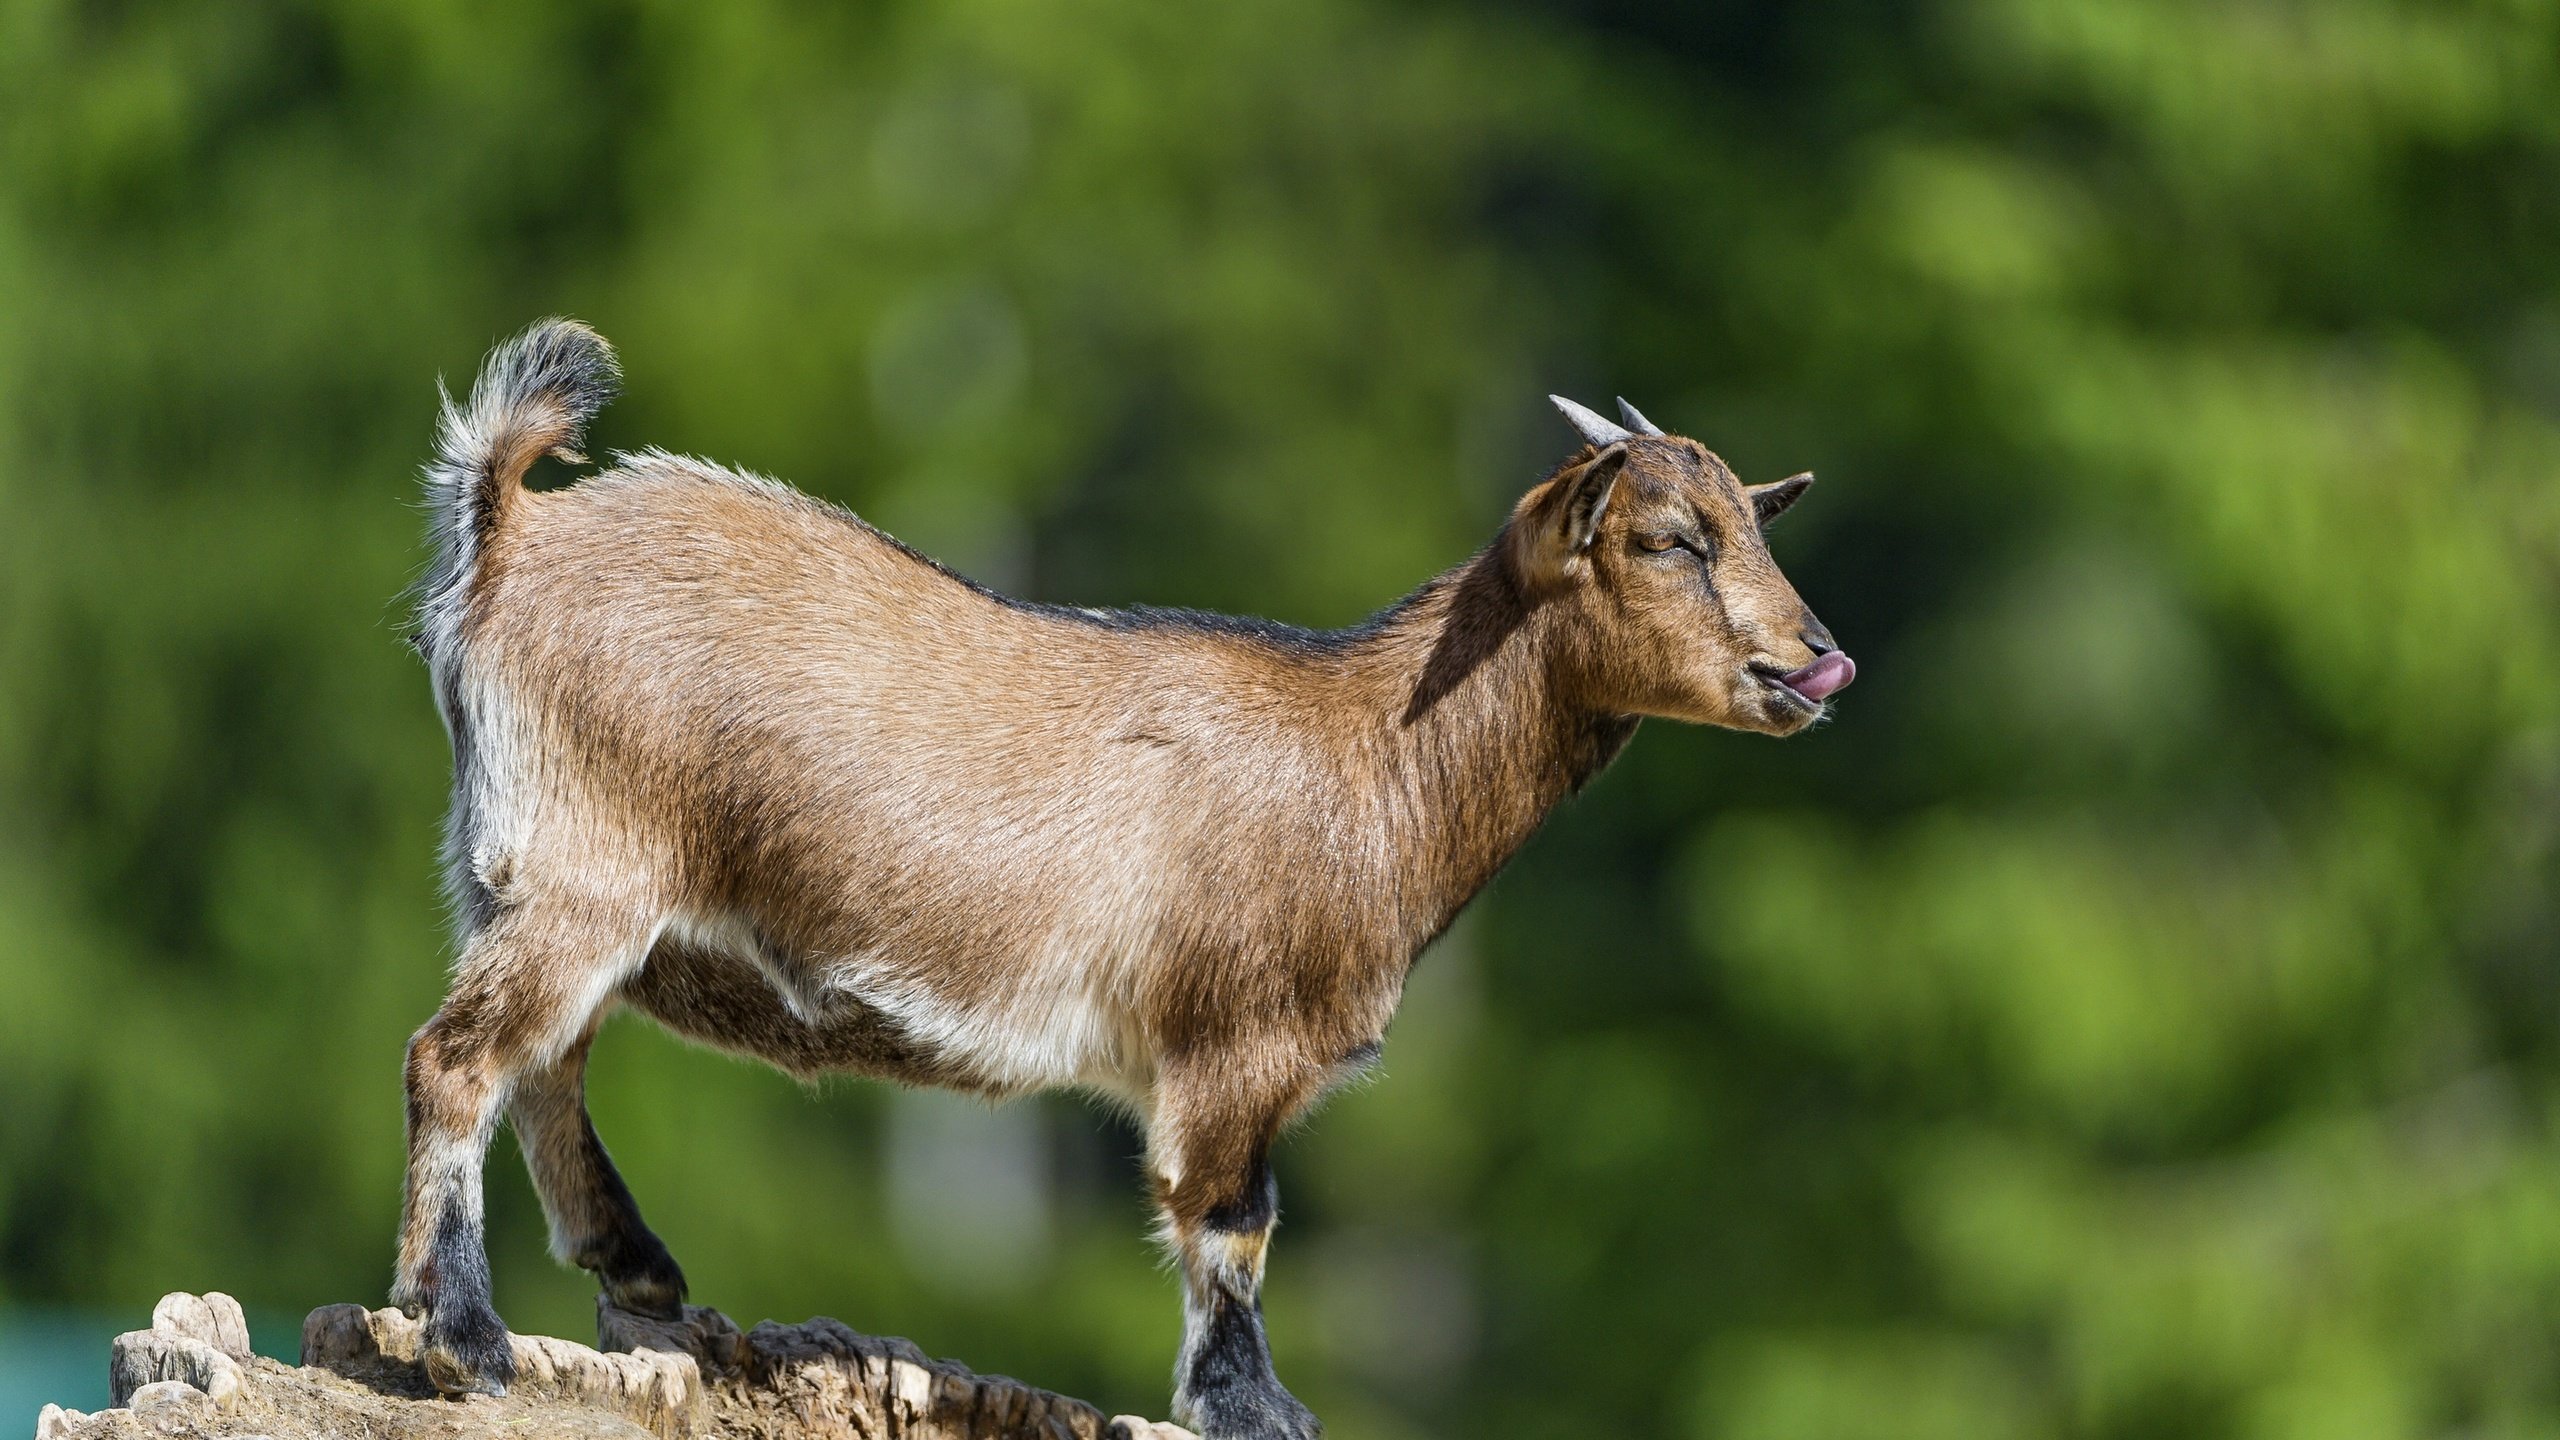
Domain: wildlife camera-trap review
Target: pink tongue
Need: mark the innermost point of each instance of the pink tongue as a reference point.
(1823, 678)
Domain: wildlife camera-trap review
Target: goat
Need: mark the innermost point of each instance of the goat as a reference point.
(732, 758)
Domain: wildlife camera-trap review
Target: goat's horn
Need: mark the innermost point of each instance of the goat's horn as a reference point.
(1635, 418)
(1593, 428)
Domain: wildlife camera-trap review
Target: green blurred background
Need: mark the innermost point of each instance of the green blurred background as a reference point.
(2136, 1016)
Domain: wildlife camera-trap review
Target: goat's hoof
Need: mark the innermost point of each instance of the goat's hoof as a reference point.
(654, 1288)
(1251, 1412)
(468, 1353)
(653, 1299)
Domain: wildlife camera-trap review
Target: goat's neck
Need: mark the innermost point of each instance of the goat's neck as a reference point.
(1482, 738)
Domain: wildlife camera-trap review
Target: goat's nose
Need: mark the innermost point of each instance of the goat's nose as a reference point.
(1816, 638)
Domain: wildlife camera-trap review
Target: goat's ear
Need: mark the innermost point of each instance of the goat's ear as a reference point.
(1770, 501)
(1561, 528)
(1584, 496)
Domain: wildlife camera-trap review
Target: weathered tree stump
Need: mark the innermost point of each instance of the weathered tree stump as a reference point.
(193, 1374)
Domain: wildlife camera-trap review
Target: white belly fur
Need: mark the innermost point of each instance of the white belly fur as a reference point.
(1065, 1016)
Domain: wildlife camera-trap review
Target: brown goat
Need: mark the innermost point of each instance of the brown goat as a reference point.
(735, 759)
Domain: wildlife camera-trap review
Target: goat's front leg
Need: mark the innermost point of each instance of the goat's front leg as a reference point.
(1210, 1151)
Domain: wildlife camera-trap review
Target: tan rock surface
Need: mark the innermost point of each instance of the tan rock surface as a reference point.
(193, 1374)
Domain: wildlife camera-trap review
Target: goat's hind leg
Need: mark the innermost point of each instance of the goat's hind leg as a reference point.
(530, 982)
(595, 1224)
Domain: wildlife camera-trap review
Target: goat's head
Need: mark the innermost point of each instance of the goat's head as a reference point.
(1648, 552)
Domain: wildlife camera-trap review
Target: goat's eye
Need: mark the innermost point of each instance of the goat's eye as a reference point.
(1657, 541)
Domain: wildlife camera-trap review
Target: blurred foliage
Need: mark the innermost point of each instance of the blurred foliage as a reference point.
(2134, 1017)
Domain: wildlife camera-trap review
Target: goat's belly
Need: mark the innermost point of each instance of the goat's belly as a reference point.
(1026, 1027)
(1048, 1027)
(715, 998)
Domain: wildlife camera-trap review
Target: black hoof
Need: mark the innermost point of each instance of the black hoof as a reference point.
(1251, 1412)
(466, 1353)
(644, 1279)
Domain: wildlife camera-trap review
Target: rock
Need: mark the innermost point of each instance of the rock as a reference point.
(213, 1318)
(1138, 1427)
(336, 1337)
(659, 1390)
(166, 1395)
(852, 1387)
(710, 1337)
(140, 1358)
(192, 1373)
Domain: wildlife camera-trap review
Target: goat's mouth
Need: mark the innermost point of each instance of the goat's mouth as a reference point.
(1806, 689)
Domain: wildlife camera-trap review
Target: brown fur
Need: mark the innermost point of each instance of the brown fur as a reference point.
(736, 759)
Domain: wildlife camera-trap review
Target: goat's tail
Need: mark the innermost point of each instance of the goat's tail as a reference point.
(534, 397)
